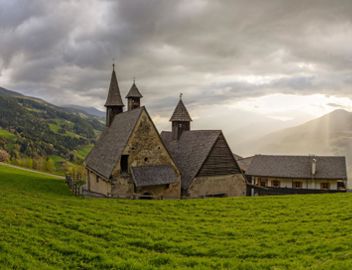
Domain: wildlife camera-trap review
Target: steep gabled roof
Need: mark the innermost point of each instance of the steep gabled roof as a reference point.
(153, 175)
(190, 151)
(327, 167)
(134, 92)
(111, 143)
(114, 96)
(181, 113)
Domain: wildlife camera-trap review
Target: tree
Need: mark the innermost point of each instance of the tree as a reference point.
(50, 165)
(4, 156)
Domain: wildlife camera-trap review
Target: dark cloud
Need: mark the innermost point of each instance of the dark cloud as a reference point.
(214, 51)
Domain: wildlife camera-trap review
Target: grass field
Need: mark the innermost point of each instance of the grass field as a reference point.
(42, 226)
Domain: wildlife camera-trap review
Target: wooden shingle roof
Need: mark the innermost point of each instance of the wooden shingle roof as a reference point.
(181, 113)
(190, 151)
(134, 92)
(327, 167)
(153, 175)
(111, 143)
(114, 96)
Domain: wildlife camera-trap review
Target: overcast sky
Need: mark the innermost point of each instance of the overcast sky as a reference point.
(286, 60)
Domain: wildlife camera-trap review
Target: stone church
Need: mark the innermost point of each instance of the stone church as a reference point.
(132, 160)
(129, 159)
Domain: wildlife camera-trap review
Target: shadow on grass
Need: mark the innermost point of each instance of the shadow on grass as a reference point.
(14, 180)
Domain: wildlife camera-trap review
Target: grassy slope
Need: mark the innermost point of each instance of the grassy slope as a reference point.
(43, 227)
(7, 134)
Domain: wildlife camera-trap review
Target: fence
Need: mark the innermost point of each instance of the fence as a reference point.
(285, 191)
(76, 186)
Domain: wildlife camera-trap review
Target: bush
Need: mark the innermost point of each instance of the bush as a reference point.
(4, 156)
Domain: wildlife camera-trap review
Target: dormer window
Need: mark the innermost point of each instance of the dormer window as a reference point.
(124, 164)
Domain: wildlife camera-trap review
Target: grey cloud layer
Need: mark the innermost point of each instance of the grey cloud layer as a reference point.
(211, 50)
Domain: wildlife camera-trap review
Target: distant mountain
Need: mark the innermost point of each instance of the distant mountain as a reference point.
(330, 134)
(88, 110)
(31, 127)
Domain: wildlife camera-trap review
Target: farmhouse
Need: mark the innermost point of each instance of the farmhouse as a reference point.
(129, 159)
(270, 174)
(208, 167)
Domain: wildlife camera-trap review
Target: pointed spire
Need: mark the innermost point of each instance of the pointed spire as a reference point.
(180, 113)
(134, 92)
(114, 96)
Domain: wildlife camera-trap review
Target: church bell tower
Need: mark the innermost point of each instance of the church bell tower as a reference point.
(180, 119)
(113, 104)
(134, 97)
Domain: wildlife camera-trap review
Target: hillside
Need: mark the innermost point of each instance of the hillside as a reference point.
(42, 226)
(31, 127)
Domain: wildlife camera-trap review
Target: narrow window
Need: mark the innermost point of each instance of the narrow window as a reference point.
(124, 164)
(263, 182)
(324, 185)
(275, 183)
(97, 179)
(297, 184)
(341, 185)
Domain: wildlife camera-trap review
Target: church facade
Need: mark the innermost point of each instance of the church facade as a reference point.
(132, 160)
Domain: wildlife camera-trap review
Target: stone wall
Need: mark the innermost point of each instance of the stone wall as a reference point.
(145, 148)
(228, 185)
(171, 191)
(98, 185)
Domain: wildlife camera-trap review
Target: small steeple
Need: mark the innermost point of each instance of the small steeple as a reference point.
(113, 104)
(181, 120)
(180, 112)
(114, 96)
(133, 96)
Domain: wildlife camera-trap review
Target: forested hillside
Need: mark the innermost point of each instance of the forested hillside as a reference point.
(33, 129)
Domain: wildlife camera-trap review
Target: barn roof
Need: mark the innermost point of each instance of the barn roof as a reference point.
(153, 175)
(181, 113)
(134, 92)
(114, 96)
(111, 143)
(327, 167)
(244, 163)
(190, 151)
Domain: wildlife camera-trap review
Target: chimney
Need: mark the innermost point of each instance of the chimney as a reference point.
(314, 167)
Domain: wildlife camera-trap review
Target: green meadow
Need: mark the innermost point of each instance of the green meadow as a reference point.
(42, 226)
